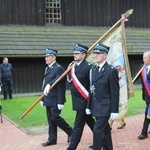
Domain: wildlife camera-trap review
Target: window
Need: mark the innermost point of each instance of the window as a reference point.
(53, 11)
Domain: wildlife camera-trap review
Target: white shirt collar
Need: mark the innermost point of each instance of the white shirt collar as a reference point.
(102, 64)
(78, 63)
(148, 67)
(51, 64)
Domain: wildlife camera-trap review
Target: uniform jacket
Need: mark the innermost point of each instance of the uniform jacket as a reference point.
(105, 97)
(145, 95)
(82, 73)
(57, 94)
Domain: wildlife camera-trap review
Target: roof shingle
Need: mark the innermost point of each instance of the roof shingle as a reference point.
(26, 41)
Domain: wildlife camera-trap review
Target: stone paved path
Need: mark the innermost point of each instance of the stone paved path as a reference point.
(14, 138)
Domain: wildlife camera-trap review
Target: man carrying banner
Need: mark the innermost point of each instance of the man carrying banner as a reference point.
(145, 76)
(104, 98)
(79, 83)
(54, 100)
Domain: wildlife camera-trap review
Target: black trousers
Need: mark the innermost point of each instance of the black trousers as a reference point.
(7, 87)
(102, 134)
(146, 123)
(80, 120)
(55, 120)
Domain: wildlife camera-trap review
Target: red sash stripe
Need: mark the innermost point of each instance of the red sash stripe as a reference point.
(79, 86)
(145, 81)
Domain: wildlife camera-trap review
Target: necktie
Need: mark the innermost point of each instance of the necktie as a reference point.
(76, 65)
(96, 71)
(99, 69)
(47, 70)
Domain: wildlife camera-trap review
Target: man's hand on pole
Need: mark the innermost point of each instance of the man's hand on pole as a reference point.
(47, 89)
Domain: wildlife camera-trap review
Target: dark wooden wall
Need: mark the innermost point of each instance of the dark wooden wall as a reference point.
(104, 12)
(135, 62)
(28, 73)
(22, 12)
(76, 12)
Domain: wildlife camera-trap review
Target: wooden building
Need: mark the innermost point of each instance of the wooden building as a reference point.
(28, 27)
(102, 13)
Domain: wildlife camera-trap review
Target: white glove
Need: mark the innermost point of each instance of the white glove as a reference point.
(113, 116)
(41, 102)
(88, 111)
(60, 106)
(46, 90)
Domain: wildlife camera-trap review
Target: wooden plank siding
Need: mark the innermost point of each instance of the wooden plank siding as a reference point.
(28, 73)
(76, 12)
(27, 76)
(104, 13)
(135, 62)
(22, 12)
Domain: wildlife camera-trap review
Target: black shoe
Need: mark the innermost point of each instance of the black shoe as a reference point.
(141, 137)
(123, 126)
(69, 139)
(91, 146)
(48, 143)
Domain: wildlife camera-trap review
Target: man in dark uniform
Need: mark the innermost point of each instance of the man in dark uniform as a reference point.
(79, 83)
(7, 79)
(54, 100)
(104, 98)
(145, 76)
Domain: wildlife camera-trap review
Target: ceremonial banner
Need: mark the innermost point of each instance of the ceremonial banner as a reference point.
(118, 58)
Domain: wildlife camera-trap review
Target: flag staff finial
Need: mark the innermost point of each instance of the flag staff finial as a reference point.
(126, 15)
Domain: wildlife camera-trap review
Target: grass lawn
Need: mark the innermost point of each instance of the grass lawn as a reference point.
(15, 108)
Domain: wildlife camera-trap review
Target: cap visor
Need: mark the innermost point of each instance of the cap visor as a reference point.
(76, 52)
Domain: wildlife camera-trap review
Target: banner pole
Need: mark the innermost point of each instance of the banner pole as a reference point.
(42, 96)
(126, 15)
(137, 74)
